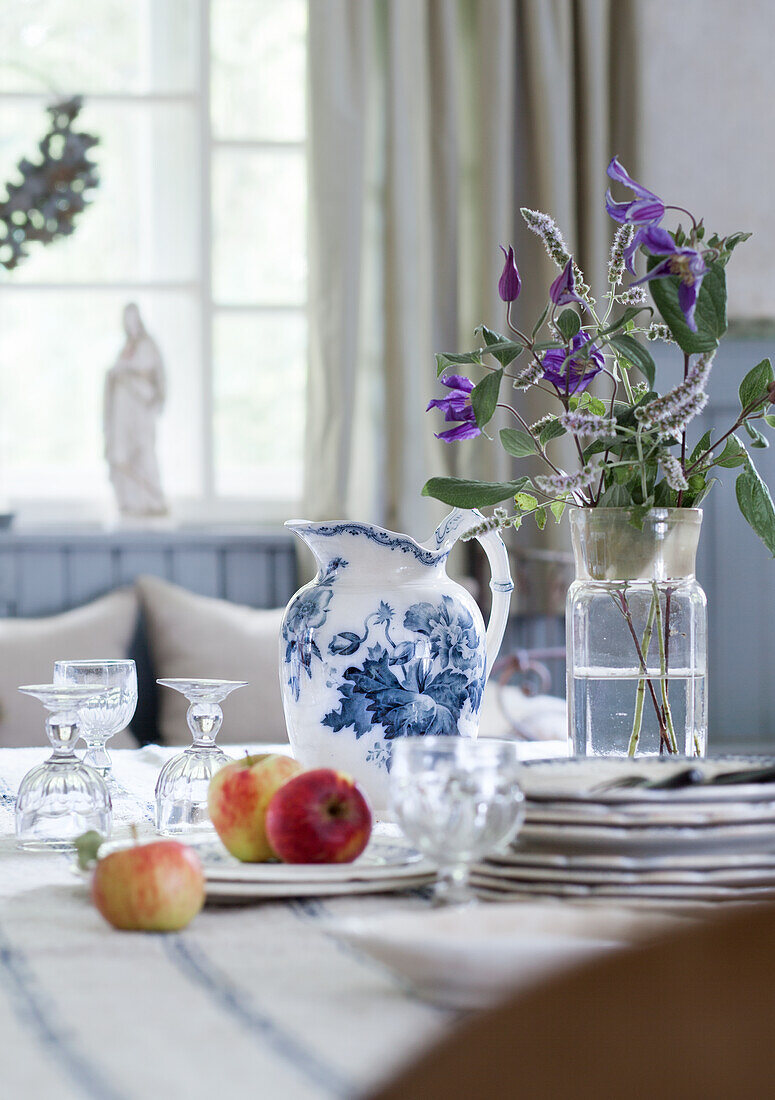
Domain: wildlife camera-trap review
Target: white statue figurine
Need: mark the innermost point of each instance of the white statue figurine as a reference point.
(134, 398)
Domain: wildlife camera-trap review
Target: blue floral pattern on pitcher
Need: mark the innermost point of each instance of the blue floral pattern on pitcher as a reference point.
(306, 613)
(413, 687)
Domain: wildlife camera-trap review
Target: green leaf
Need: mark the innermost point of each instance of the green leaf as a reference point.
(701, 447)
(769, 420)
(444, 360)
(87, 845)
(540, 320)
(757, 439)
(517, 443)
(755, 502)
(710, 313)
(626, 317)
(569, 323)
(459, 492)
(540, 518)
(551, 430)
(755, 385)
(484, 397)
(557, 507)
(636, 354)
(504, 350)
(526, 502)
(616, 496)
(597, 407)
(695, 500)
(734, 454)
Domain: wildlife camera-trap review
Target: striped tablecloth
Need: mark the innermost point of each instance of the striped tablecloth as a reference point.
(260, 1001)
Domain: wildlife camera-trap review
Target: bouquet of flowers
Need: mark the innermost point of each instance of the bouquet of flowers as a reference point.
(629, 440)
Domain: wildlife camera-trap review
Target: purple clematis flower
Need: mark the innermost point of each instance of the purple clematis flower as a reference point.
(686, 263)
(509, 284)
(563, 290)
(644, 210)
(574, 375)
(457, 406)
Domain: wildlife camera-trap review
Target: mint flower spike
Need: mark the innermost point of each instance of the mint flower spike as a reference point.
(555, 484)
(509, 284)
(587, 424)
(674, 475)
(671, 413)
(619, 247)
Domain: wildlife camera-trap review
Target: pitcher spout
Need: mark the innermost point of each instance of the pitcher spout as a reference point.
(365, 546)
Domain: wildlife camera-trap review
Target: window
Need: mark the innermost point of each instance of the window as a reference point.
(200, 218)
(707, 90)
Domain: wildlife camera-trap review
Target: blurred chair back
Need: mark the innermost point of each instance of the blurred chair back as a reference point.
(689, 1017)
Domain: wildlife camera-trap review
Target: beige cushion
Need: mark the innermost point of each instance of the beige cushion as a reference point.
(29, 647)
(192, 635)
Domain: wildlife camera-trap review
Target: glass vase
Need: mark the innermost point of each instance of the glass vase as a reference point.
(636, 625)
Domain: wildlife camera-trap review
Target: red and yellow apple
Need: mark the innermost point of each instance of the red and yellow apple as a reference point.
(320, 816)
(238, 798)
(156, 887)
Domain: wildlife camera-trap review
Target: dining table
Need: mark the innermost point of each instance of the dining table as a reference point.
(262, 999)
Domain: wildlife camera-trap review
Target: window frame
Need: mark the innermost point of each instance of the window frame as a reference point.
(208, 508)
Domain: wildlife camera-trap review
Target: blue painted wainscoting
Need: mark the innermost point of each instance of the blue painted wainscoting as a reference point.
(46, 572)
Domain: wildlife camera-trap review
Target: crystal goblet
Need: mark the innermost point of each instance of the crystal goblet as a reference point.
(63, 797)
(456, 800)
(181, 789)
(106, 714)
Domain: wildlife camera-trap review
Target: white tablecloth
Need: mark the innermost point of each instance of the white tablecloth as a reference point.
(255, 1001)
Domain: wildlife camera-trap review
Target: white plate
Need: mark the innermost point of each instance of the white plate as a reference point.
(581, 778)
(745, 876)
(676, 906)
(384, 859)
(240, 891)
(624, 893)
(608, 862)
(650, 840)
(662, 815)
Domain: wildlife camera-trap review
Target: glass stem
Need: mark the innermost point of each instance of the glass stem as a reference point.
(663, 672)
(640, 694)
(452, 886)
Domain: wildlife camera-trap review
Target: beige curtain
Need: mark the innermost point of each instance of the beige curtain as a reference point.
(431, 123)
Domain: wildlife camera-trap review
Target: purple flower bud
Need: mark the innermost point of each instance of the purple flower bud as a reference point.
(563, 289)
(509, 284)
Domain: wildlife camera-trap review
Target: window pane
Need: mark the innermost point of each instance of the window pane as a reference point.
(258, 69)
(139, 224)
(98, 45)
(259, 212)
(55, 347)
(707, 94)
(259, 381)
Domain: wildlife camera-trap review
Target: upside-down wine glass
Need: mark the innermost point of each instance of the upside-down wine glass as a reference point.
(456, 800)
(181, 789)
(107, 713)
(63, 797)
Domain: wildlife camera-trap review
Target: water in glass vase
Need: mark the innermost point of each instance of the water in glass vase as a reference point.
(618, 712)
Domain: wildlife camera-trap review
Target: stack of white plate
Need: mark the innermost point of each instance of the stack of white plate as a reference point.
(589, 834)
(386, 865)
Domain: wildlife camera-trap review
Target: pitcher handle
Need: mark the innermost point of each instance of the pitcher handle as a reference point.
(501, 584)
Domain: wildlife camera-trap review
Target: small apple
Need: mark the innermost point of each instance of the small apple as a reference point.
(238, 796)
(320, 816)
(157, 887)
